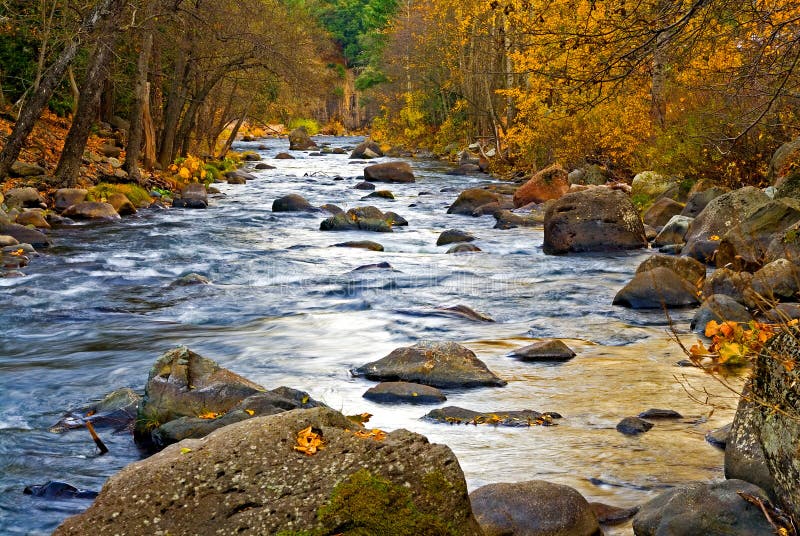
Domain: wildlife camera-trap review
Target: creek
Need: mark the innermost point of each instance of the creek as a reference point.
(285, 308)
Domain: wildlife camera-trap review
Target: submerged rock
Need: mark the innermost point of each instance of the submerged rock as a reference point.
(360, 244)
(550, 350)
(404, 392)
(58, 490)
(248, 479)
(469, 200)
(389, 172)
(292, 203)
(452, 236)
(299, 140)
(633, 426)
(438, 364)
(90, 210)
(657, 288)
(464, 248)
(533, 508)
(116, 410)
(462, 311)
(525, 417)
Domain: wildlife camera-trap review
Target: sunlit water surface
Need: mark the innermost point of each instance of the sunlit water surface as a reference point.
(96, 310)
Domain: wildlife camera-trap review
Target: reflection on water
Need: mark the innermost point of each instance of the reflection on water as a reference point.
(286, 309)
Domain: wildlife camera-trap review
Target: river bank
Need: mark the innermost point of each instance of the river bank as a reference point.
(285, 309)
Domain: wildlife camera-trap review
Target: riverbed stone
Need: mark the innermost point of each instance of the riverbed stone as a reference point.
(393, 172)
(25, 235)
(438, 364)
(505, 219)
(720, 308)
(292, 203)
(346, 222)
(66, 197)
(366, 150)
(263, 165)
(394, 219)
(452, 236)
(360, 244)
(121, 204)
(703, 509)
(364, 185)
(549, 183)
(657, 288)
(516, 418)
(58, 491)
(116, 410)
(547, 351)
(728, 282)
(238, 176)
(691, 270)
(533, 508)
(650, 185)
(658, 413)
(299, 140)
(471, 199)
(598, 219)
(700, 199)
(26, 197)
(404, 392)
(661, 211)
(193, 195)
(202, 487)
(673, 232)
(722, 214)
(719, 436)
(463, 311)
(379, 194)
(633, 426)
(463, 248)
(776, 281)
(33, 216)
(6, 240)
(91, 210)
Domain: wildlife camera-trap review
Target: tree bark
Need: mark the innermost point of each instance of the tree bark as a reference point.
(234, 132)
(658, 103)
(141, 95)
(149, 150)
(69, 164)
(172, 111)
(50, 79)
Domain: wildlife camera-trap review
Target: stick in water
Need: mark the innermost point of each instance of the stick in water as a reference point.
(97, 441)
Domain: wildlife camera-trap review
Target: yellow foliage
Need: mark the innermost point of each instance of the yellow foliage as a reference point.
(309, 441)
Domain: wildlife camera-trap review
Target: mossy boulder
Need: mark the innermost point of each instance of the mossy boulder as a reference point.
(247, 478)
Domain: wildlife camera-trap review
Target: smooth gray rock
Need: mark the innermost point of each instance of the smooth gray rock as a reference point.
(404, 392)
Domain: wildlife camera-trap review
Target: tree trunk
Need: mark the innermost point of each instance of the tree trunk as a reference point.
(76, 92)
(69, 164)
(140, 95)
(149, 151)
(50, 79)
(658, 103)
(172, 111)
(234, 132)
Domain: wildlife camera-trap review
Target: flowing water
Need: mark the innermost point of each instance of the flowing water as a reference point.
(285, 308)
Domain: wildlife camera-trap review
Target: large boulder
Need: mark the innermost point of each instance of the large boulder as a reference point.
(248, 478)
(700, 199)
(720, 308)
(650, 185)
(776, 385)
(728, 282)
(673, 232)
(452, 236)
(744, 246)
(471, 199)
(689, 269)
(549, 183)
(350, 222)
(25, 235)
(33, 216)
(299, 140)
(551, 350)
(193, 195)
(657, 288)
(776, 281)
(533, 508)
(598, 219)
(723, 213)
(785, 245)
(785, 159)
(703, 509)
(439, 364)
(91, 210)
(366, 150)
(66, 197)
(389, 172)
(292, 203)
(661, 212)
(23, 198)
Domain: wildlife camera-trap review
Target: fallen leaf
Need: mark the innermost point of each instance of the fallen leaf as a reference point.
(185, 450)
(249, 412)
(209, 415)
(309, 441)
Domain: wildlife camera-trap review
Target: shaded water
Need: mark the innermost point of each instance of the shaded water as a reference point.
(284, 309)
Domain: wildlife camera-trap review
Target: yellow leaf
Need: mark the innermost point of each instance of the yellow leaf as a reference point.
(712, 328)
(209, 415)
(185, 450)
(249, 412)
(714, 238)
(304, 400)
(731, 353)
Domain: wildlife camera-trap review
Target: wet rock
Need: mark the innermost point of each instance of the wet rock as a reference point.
(612, 515)
(66, 197)
(655, 413)
(699, 200)
(25, 235)
(693, 271)
(6, 240)
(377, 266)
(199, 487)
(263, 165)
(292, 203)
(237, 176)
(366, 212)
(547, 351)
(190, 280)
(35, 217)
(235, 179)
(722, 214)
(702, 250)
(193, 195)
(331, 208)
(471, 199)
(23, 198)
(251, 157)
(719, 436)
(549, 183)
(182, 383)
(783, 313)
(366, 150)
(381, 194)
(657, 288)
(776, 281)
(438, 364)
(464, 248)
(599, 219)
(360, 244)
(510, 220)
(533, 508)
(720, 308)
(121, 204)
(363, 185)
(703, 509)
(343, 222)
(633, 426)
(284, 156)
(58, 490)
(452, 236)
(91, 210)
(661, 212)
(395, 172)
(299, 140)
(744, 246)
(456, 415)
(394, 219)
(25, 169)
(728, 282)
(404, 392)
(116, 410)
(462, 311)
(673, 232)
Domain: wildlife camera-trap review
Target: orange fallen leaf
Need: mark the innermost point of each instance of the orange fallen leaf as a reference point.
(309, 441)
(209, 415)
(249, 412)
(374, 434)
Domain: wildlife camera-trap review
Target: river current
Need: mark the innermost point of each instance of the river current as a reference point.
(285, 308)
